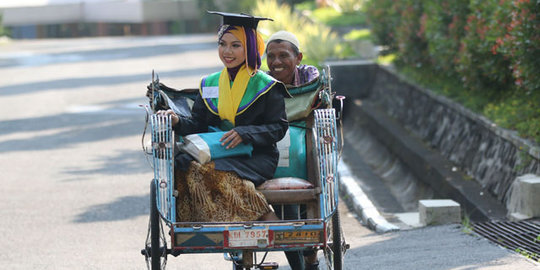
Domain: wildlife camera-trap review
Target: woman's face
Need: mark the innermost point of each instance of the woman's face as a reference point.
(231, 51)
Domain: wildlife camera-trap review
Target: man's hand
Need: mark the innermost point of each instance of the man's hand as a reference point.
(149, 90)
(157, 86)
(231, 138)
(174, 116)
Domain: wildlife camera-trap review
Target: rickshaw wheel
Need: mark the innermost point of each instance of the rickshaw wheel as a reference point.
(333, 252)
(158, 244)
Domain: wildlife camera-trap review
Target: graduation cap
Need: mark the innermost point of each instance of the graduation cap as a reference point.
(242, 19)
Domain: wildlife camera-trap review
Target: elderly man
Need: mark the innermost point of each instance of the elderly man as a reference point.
(283, 58)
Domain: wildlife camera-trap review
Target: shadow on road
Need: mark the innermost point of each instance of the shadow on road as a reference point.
(127, 162)
(105, 81)
(64, 130)
(121, 209)
(103, 54)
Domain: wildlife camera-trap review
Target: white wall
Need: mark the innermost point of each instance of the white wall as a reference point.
(35, 12)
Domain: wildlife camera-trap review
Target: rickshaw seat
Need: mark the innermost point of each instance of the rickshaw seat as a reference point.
(288, 190)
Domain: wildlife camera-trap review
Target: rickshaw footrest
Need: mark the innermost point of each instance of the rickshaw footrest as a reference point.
(268, 265)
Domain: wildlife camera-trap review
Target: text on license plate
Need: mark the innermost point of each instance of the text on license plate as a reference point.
(297, 237)
(248, 238)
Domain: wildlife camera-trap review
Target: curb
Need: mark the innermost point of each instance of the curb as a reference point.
(355, 197)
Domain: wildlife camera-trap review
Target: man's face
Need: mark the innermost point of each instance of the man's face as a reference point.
(282, 61)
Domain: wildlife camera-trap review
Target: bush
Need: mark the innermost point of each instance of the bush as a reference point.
(237, 6)
(348, 6)
(3, 31)
(519, 41)
(383, 18)
(518, 112)
(479, 68)
(333, 17)
(485, 53)
(317, 41)
(358, 34)
(409, 33)
(305, 6)
(443, 22)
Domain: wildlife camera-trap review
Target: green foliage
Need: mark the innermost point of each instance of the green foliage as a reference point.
(482, 53)
(348, 6)
(524, 159)
(239, 6)
(479, 68)
(317, 41)
(305, 6)
(358, 34)
(519, 112)
(441, 84)
(291, 3)
(498, 58)
(325, 14)
(518, 39)
(409, 33)
(333, 17)
(527, 254)
(443, 23)
(3, 31)
(386, 59)
(467, 225)
(383, 18)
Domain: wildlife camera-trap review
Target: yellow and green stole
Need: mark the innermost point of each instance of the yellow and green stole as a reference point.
(228, 99)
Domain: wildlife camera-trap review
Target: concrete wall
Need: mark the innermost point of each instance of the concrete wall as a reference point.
(492, 155)
(56, 14)
(101, 11)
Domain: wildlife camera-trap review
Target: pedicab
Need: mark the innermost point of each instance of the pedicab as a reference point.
(247, 243)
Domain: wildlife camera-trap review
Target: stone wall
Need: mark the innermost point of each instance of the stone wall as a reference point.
(493, 156)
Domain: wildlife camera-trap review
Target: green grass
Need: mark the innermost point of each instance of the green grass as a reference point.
(358, 34)
(449, 87)
(467, 225)
(332, 17)
(386, 59)
(307, 5)
(526, 254)
(519, 112)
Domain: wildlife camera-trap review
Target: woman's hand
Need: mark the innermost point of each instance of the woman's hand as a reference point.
(174, 116)
(231, 138)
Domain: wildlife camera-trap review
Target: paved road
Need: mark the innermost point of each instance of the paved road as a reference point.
(75, 184)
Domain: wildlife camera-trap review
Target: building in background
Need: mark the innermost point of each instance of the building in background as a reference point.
(78, 18)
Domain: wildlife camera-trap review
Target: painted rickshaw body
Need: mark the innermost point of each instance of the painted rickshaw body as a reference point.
(319, 228)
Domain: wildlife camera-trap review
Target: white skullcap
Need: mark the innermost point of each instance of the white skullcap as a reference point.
(284, 35)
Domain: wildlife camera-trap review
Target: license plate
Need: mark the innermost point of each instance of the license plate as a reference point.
(297, 237)
(248, 238)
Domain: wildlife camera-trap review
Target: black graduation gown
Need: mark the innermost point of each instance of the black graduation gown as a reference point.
(263, 124)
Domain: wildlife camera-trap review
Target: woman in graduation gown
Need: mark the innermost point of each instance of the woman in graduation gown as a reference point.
(249, 105)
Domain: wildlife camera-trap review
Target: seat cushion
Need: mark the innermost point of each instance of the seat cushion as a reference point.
(288, 190)
(291, 196)
(285, 183)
